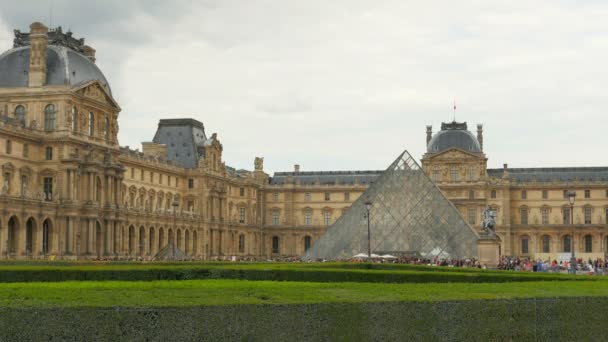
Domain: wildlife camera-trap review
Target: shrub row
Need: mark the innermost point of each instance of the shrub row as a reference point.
(551, 319)
(268, 273)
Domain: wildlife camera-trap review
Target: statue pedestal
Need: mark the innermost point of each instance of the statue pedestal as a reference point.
(488, 250)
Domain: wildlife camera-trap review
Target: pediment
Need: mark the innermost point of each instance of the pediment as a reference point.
(95, 91)
(454, 154)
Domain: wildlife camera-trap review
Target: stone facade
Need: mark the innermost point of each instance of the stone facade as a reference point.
(69, 191)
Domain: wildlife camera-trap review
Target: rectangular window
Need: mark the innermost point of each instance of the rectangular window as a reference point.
(566, 194)
(160, 178)
(275, 244)
(242, 192)
(546, 244)
(566, 212)
(275, 217)
(308, 217)
(327, 218)
(472, 215)
(327, 196)
(471, 194)
(524, 216)
(190, 183)
(48, 188)
(275, 196)
(9, 147)
(545, 215)
(454, 174)
(545, 194)
(190, 206)
(132, 173)
(588, 244)
(141, 176)
(26, 150)
(471, 174)
(493, 194)
(436, 176)
(176, 182)
(242, 215)
(347, 196)
(606, 193)
(587, 193)
(151, 177)
(588, 211)
(524, 245)
(242, 243)
(307, 196)
(524, 194)
(49, 153)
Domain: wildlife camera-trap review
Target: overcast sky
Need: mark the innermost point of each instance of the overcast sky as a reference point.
(347, 85)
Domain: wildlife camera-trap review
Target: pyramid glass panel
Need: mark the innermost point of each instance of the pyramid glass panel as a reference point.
(409, 215)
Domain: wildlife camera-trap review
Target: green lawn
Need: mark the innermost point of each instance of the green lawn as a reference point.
(230, 292)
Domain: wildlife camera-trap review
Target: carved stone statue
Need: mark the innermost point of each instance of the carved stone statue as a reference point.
(489, 221)
(259, 164)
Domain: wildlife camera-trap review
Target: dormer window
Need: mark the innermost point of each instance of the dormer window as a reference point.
(20, 114)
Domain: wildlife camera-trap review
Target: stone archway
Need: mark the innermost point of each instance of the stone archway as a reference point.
(30, 237)
(98, 240)
(142, 240)
(131, 241)
(13, 236)
(47, 235)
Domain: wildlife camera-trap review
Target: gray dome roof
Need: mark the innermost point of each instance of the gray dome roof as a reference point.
(64, 67)
(453, 135)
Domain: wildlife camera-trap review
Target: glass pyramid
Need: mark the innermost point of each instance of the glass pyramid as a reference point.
(409, 215)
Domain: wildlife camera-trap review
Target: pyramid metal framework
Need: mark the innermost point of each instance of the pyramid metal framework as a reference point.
(409, 214)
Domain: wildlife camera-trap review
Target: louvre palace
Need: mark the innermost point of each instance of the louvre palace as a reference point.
(70, 191)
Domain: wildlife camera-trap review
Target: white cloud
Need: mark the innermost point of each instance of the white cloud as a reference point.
(349, 84)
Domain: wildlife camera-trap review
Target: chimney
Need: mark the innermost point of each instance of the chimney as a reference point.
(480, 135)
(38, 44)
(296, 168)
(429, 134)
(89, 52)
(505, 172)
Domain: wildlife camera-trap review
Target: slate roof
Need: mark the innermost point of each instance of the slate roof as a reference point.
(326, 177)
(559, 174)
(453, 134)
(64, 67)
(185, 140)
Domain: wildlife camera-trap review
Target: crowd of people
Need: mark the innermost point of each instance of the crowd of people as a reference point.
(589, 266)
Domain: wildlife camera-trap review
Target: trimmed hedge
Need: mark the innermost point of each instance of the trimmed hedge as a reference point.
(552, 319)
(265, 272)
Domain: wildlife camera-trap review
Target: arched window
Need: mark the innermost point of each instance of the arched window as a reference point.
(242, 243)
(546, 240)
(91, 124)
(307, 243)
(74, 119)
(524, 245)
(275, 244)
(588, 244)
(567, 244)
(20, 114)
(49, 117)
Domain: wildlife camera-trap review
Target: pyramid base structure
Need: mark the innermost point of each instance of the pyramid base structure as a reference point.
(408, 214)
(488, 248)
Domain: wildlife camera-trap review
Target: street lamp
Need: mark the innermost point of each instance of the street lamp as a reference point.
(571, 198)
(368, 206)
